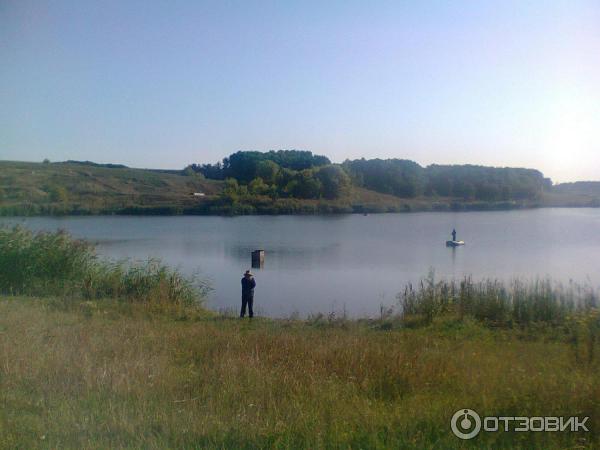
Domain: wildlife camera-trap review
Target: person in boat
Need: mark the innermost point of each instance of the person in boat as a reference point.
(454, 235)
(248, 285)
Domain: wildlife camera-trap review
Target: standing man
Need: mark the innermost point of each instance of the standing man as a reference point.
(454, 235)
(248, 285)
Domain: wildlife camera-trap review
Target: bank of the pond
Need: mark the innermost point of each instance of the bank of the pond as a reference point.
(213, 207)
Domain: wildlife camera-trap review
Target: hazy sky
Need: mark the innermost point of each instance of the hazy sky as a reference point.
(163, 84)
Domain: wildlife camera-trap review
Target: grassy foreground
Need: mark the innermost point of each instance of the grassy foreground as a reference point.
(97, 354)
(106, 374)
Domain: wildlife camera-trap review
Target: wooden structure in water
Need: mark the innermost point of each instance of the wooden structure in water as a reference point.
(258, 259)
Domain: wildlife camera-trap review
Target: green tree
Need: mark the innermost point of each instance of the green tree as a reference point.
(399, 177)
(258, 187)
(242, 165)
(335, 181)
(296, 159)
(267, 170)
(307, 186)
(230, 193)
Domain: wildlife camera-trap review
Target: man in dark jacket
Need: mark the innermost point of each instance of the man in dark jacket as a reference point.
(248, 285)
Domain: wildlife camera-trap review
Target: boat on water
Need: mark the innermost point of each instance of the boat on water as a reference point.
(454, 243)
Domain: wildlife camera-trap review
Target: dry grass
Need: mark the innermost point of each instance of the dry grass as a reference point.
(109, 374)
(39, 189)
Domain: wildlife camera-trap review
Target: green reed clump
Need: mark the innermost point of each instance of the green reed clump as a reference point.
(53, 263)
(35, 263)
(147, 281)
(497, 303)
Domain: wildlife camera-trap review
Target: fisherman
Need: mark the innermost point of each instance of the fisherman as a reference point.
(454, 235)
(248, 285)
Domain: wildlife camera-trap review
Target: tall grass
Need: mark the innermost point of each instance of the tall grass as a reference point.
(571, 311)
(102, 379)
(517, 303)
(41, 262)
(55, 264)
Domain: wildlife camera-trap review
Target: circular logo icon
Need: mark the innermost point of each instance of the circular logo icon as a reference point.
(465, 424)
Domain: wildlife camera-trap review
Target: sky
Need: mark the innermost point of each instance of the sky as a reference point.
(163, 84)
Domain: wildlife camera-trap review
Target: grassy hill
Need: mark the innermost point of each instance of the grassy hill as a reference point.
(55, 188)
(28, 188)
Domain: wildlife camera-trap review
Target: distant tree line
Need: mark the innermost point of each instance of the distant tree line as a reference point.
(302, 175)
(590, 188)
(407, 179)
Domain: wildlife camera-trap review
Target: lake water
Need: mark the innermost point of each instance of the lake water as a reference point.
(351, 262)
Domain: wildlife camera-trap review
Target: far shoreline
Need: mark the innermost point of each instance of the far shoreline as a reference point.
(175, 212)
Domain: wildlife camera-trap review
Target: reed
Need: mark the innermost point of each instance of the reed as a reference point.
(517, 303)
(54, 264)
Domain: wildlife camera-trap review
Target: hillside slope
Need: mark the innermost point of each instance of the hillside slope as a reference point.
(54, 188)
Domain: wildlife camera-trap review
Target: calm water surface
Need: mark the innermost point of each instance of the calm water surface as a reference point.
(353, 262)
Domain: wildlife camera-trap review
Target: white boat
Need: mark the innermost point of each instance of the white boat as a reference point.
(454, 243)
